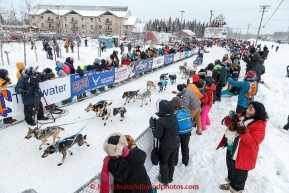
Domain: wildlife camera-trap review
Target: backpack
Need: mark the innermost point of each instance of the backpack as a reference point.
(252, 91)
(185, 124)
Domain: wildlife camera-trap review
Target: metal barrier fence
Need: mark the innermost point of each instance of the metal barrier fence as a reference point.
(20, 118)
(145, 142)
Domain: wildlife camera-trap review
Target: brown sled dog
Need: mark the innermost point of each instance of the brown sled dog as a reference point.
(44, 134)
(64, 145)
(151, 84)
(98, 108)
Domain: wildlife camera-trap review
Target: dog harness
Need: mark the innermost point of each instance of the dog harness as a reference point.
(100, 102)
(37, 137)
(72, 138)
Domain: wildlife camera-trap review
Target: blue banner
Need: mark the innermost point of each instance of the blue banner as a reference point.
(91, 81)
(169, 59)
(140, 66)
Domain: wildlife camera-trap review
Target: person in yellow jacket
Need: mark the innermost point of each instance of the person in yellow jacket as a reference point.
(66, 44)
(20, 66)
(4, 82)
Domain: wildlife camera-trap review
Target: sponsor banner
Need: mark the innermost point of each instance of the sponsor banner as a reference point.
(10, 103)
(157, 62)
(55, 90)
(121, 73)
(91, 81)
(187, 54)
(182, 55)
(176, 56)
(215, 32)
(142, 65)
(169, 58)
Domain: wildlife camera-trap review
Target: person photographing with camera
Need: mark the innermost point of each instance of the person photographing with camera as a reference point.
(28, 89)
(243, 137)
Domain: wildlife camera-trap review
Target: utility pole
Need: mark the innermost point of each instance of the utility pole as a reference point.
(263, 10)
(211, 16)
(247, 30)
(182, 20)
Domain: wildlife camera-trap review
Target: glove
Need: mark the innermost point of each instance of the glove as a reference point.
(153, 123)
(241, 128)
(233, 116)
(25, 92)
(229, 75)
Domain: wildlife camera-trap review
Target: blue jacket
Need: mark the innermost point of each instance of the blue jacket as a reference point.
(244, 87)
(23, 85)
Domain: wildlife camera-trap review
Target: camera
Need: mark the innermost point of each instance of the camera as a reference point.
(38, 77)
(233, 116)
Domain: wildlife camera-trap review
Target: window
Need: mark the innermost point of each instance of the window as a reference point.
(66, 25)
(33, 23)
(72, 19)
(91, 19)
(91, 26)
(126, 27)
(42, 24)
(33, 16)
(49, 18)
(57, 17)
(73, 26)
(99, 19)
(41, 17)
(107, 27)
(50, 25)
(107, 20)
(108, 34)
(82, 25)
(65, 18)
(82, 18)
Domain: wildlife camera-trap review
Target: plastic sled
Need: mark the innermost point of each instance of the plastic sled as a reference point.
(227, 93)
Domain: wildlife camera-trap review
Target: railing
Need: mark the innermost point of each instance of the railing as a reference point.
(110, 29)
(49, 21)
(108, 22)
(50, 27)
(73, 21)
(74, 28)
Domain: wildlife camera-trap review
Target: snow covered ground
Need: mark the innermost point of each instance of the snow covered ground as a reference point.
(22, 167)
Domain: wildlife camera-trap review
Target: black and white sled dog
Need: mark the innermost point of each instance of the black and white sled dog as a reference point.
(164, 76)
(111, 112)
(143, 96)
(172, 78)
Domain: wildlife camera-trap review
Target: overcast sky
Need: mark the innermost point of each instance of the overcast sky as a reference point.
(237, 13)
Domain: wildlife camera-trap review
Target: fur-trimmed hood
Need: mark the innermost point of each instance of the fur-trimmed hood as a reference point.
(115, 150)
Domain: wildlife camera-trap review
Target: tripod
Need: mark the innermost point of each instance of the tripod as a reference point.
(36, 103)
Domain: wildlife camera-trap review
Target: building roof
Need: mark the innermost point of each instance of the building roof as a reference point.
(83, 7)
(139, 28)
(130, 20)
(189, 32)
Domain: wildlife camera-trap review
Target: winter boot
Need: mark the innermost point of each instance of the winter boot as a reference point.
(224, 186)
(234, 191)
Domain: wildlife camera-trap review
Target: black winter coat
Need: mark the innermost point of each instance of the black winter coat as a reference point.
(72, 69)
(80, 72)
(129, 171)
(252, 62)
(260, 69)
(167, 125)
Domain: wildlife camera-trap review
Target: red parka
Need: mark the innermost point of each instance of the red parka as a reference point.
(248, 145)
(209, 96)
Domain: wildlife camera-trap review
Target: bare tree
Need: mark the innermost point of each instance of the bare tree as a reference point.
(220, 18)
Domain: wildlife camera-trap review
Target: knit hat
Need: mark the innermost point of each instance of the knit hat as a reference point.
(97, 60)
(115, 144)
(89, 67)
(60, 64)
(195, 78)
(252, 51)
(47, 70)
(236, 61)
(209, 73)
(251, 74)
(103, 62)
(177, 102)
(180, 87)
(82, 67)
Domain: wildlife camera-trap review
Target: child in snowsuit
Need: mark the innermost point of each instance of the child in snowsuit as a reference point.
(207, 102)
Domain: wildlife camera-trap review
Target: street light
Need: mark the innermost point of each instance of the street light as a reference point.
(182, 19)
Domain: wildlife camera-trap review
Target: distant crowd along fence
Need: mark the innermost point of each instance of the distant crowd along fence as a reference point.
(60, 89)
